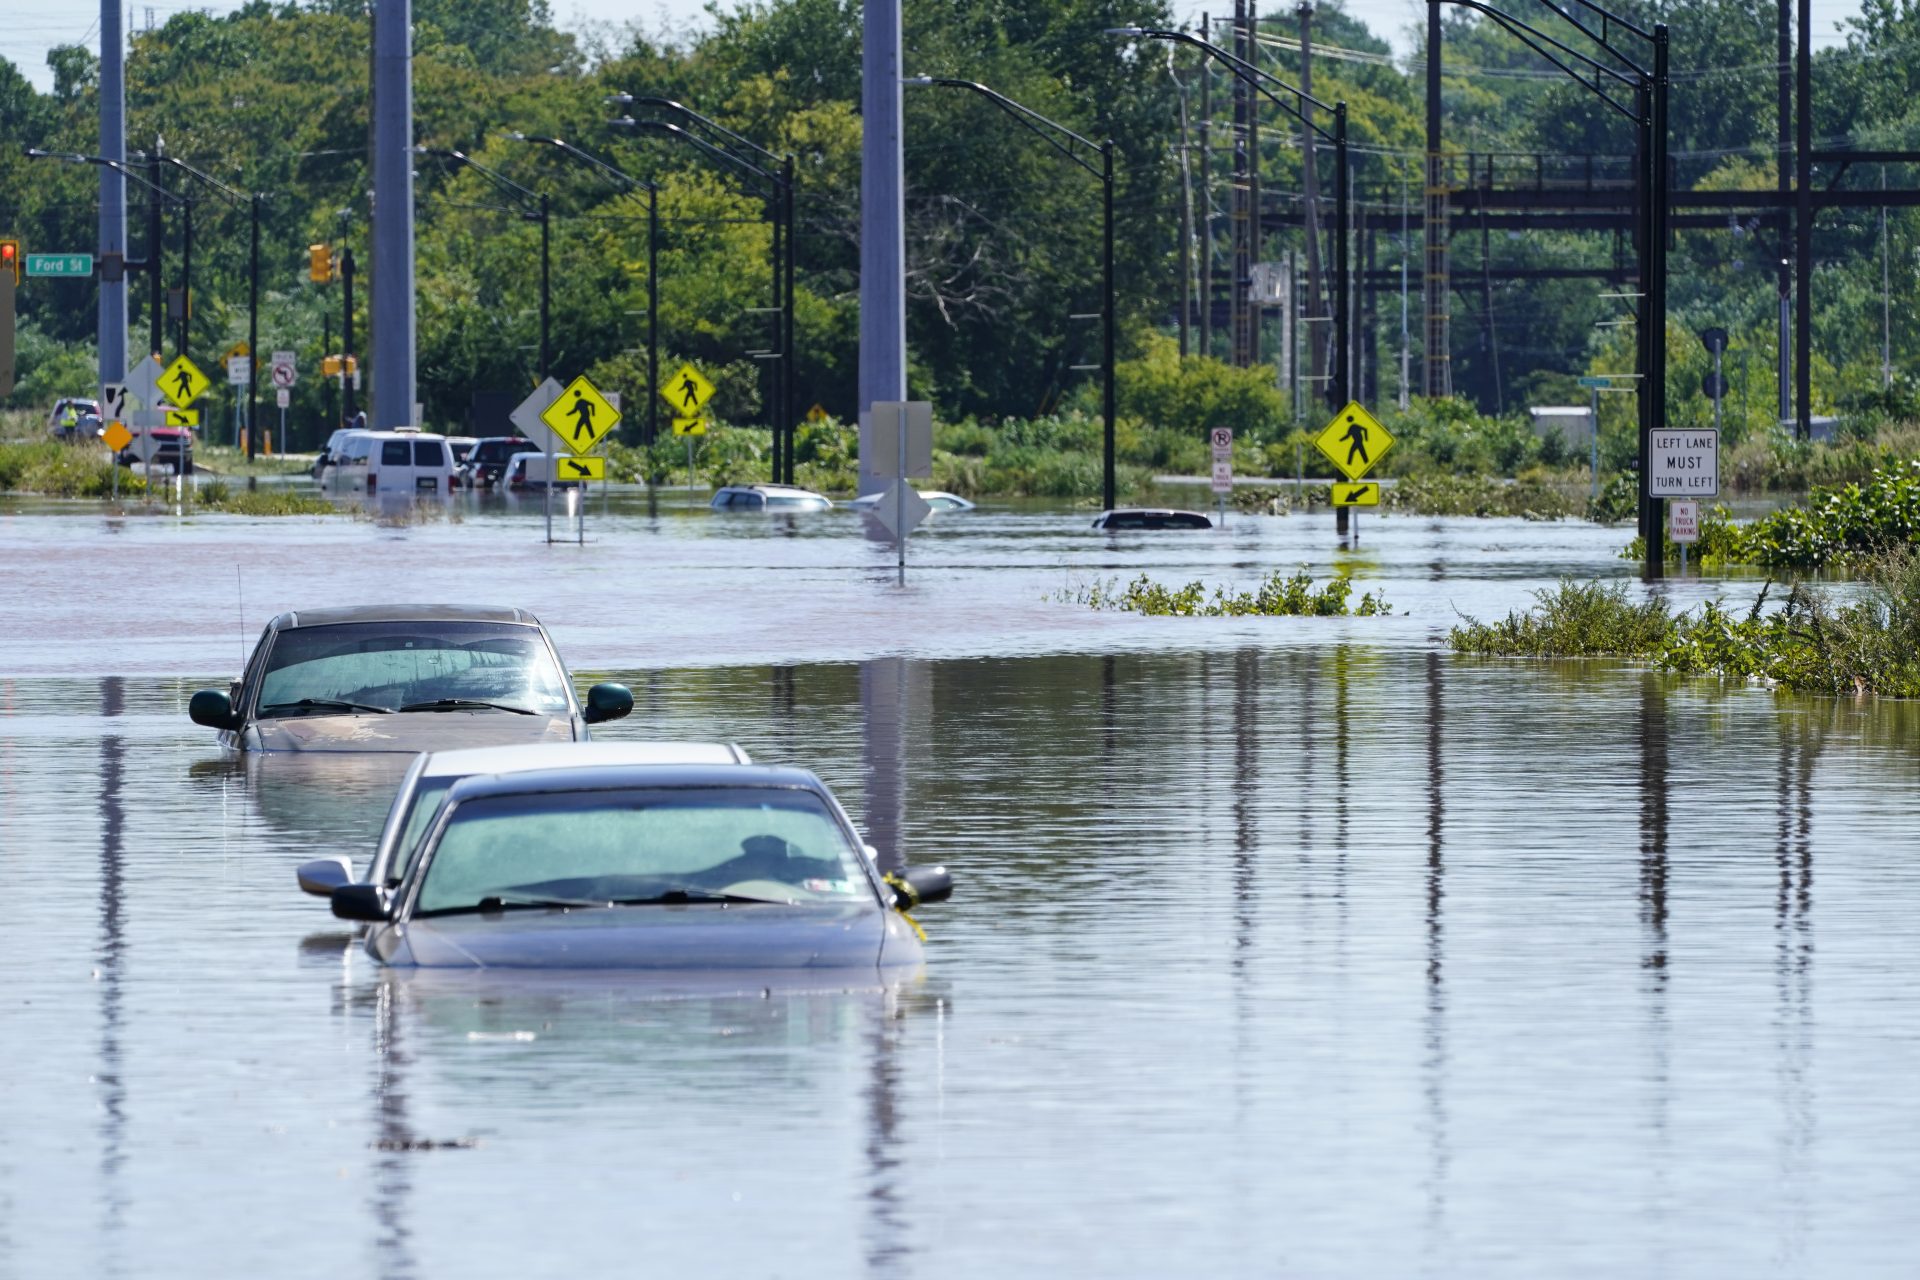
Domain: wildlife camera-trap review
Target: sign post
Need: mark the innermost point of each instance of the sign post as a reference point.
(902, 437)
(1221, 439)
(284, 372)
(580, 417)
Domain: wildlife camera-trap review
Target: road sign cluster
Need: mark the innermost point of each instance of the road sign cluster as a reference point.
(569, 423)
(164, 396)
(1354, 442)
(687, 393)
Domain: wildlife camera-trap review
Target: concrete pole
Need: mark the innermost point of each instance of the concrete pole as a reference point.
(883, 240)
(113, 191)
(392, 293)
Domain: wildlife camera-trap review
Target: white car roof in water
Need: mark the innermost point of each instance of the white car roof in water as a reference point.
(524, 758)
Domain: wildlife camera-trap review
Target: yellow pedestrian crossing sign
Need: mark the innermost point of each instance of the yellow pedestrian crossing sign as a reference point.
(1356, 495)
(183, 417)
(1354, 441)
(581, 416)
(689, 426)
(687, 392)
(183, 383)
(582, 468)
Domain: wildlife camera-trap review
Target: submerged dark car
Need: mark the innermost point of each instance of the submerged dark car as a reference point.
(1150, 518)
(403, 678)
(742, 868)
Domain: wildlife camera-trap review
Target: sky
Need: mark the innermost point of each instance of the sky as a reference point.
(34, 26)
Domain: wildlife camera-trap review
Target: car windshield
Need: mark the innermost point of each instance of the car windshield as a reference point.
(592, 848)
(403, 666)
(788, 500)
(426, 802)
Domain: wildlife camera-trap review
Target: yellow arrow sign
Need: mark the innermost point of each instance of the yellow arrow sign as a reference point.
(581, 416)
(183, 417)
(183, 383)
(687, 391)
(118, 437)
(1356, 495)
(582, 468)
(1354, 441)
(689, 426)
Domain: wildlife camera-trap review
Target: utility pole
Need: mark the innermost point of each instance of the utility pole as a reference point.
(112, 327)
(1206, 193)
(1886, 297)
(349, 366)
(1439, 370)
(1406, 249)
(253, 325)
(1783, 151)
(1317, 335)
(1256, 222)
(883, 267)
(1803, 229)
(156, 282)
(1186, 221)
(392, 317)
(1242, 258)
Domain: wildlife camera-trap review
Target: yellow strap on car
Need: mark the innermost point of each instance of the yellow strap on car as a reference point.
(905, 890)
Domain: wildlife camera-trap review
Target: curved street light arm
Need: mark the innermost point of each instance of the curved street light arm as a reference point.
(1529, 34)
(499, 180)
(78, 157)
(718, 153)
(1606, 17)
(205, 178)
(620, 176)
(1247, 71)
(628, 101)
(1029, 118)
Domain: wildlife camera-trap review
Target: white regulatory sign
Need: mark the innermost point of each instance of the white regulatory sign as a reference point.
(1223, 477)
(1222, 438)
(1684, 464)
(1683, 520)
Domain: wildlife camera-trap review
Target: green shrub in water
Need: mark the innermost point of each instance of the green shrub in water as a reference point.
(1278, 596)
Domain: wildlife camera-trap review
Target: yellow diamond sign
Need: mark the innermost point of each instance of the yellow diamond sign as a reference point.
(689, 426)
(118, 437)
(581, 416)
(687, 391)
(1354, 441)
(183, 383)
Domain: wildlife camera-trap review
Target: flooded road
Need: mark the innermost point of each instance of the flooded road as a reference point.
(1281, 947)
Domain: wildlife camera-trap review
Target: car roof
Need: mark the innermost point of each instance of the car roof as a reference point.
(402, 613)
(524, 757)
(774, 488)
(611, 777)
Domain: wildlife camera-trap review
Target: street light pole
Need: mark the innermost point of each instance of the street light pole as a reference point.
(1072, 149)
(253, 326)
(534, 208)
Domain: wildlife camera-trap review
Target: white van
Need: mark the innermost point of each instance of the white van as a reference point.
(384, 463)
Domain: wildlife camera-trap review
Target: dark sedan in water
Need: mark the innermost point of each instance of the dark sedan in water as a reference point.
(403, 678)
(650, 867)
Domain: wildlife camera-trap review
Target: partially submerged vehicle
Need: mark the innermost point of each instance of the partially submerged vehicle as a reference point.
(1150, 518)
(403, 678)
(734, 867)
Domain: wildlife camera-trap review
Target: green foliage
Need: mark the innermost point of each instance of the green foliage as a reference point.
(1572, 620)
(1444, 493)
(1160, 390)
(62, 470)
(1277, 596)
(1848, 525)
(1450, 435)
(278, 500)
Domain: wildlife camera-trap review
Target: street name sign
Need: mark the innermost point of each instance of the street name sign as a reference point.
(1356, 495)
(1354, 441)
(582, 468)
(1683, 464)
(59, 264)
(581, 418)
(183, 383)
(687, 392)
(1683, 520)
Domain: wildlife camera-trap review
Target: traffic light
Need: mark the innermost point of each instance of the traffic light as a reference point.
(10, 258)
(319, 263)
(329, 366)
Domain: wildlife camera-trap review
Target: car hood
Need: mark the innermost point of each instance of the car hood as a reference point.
(413, 732)
(707, 936)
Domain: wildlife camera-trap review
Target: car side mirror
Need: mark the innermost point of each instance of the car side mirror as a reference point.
(214, 709)
(917, 886)
(323, 875)
(607, 702)
(360, 902)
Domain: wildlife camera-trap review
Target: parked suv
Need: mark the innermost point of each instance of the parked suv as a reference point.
(769, 497)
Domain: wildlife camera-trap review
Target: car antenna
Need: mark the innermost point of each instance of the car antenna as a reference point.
(240, 598)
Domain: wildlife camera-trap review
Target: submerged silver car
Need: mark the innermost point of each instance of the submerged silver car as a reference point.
(403, 678)
(644, 867)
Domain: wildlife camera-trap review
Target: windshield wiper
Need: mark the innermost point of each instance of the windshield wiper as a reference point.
(323, 704)
(673, 896)
(509, 901)
(462, 704)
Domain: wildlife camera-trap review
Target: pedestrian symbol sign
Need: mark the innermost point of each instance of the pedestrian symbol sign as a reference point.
(1354, 441)
(689, 426)
(183, 383)
(581, 416)
(1356, 495)
(687, 392)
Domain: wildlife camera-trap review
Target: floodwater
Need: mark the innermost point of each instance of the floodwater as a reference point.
(1282, 946)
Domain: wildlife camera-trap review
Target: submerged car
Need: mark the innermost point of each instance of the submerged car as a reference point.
(403, 678)
(432, 774)
(1150, 518)
(938, 499)
(733, 867)
(769, 497)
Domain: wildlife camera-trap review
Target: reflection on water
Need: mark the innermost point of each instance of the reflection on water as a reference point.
(1333, 960)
